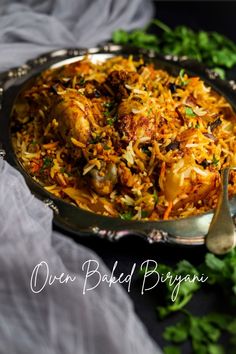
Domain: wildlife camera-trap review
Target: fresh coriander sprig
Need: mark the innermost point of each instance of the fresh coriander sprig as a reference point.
(204, 333)
(211, 48)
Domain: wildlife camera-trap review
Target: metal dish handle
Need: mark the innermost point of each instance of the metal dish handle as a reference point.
(152, 236)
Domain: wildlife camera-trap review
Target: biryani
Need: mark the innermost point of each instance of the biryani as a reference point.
(124, 138)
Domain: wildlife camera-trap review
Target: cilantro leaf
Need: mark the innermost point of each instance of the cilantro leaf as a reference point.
(47, 163)
(215, 349)
(213, 49)
(155, 196)
(214, 262)
(127, 216)
(179, 288)
(171, 350)
(204, 332)
(177, 333)
(189, 112)
(215, 161)
(120, 37)
(181, 75)
(144, 213)
(96, 139)
(111, 120)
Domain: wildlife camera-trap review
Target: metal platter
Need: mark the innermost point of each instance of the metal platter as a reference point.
(188, 231)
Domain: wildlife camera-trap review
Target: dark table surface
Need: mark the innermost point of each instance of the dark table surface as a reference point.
(217, 16)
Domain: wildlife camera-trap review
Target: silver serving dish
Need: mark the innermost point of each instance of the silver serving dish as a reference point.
(187, 231)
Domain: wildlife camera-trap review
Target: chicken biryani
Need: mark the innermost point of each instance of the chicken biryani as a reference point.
(124, 138)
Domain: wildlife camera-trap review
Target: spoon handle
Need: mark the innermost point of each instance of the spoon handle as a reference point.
(220, 238)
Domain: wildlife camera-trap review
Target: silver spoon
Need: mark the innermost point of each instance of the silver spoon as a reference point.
(221, 236)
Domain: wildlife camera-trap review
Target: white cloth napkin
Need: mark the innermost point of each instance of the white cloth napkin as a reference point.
(59, 319)
(32, 27)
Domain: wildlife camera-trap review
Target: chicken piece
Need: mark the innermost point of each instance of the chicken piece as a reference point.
(73, 114)
(104, 180)
(92, 89)
(116, 81)
(133, 122)
(186, 178)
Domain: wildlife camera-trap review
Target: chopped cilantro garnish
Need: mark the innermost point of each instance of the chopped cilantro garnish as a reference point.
(189, 112)
(111, 120)
(106, 147)
(181, 75)
(106, 113)
(215, 161)
(155, 196)
(127, 216)
(81, 81)
(197, 126)
(146, 150)
(47, 163)
(144, 213)
(108, 104)
(95, 140)
(109, 114)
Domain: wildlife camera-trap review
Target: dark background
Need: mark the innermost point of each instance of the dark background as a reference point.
(211, 16)
(217, 16)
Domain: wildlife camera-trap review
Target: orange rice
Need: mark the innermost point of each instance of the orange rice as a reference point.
(124, 138)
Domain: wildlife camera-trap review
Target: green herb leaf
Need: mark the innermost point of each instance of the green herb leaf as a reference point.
(146, 150)
(214, 262)
(181, 75)
(81, 81)
(181, 291)
(127, 216)
(172, 350)
(108, 105)
(213, 49)
(95, 140)
(162, 25)
(177, 333)
(120, 37)
(215, 161)
(155, 196)
(111, 120)
(47, 162)
(144, 213)
(220, 72)
(231, 326)
(106, 113)
(189, 112)
(215, 349)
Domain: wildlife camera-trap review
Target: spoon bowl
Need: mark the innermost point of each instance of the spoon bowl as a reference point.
(221, 236)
